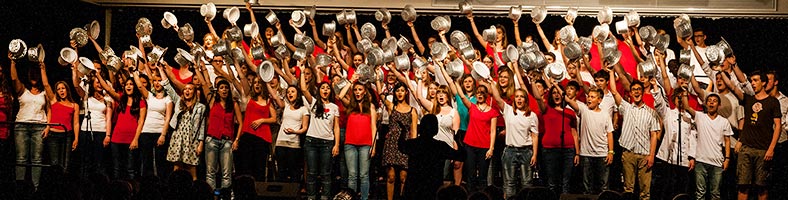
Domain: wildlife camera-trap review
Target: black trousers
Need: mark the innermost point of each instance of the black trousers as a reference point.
(669, 180)
(153, 158)
(251, 156)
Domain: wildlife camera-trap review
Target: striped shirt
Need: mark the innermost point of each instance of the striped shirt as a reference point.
(639, 121)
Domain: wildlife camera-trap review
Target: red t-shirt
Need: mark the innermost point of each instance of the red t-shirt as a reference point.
(478, 134)
(581, 94)
(627, 61)
(5, 109)
(559, 121)
(186, 80)
(692, 100)
(254, 112)
(220, 122)
(126, 128)
(359, 130)
(62, 114)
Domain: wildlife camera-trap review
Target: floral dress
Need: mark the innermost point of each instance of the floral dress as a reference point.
(399, 124)
(190, 130)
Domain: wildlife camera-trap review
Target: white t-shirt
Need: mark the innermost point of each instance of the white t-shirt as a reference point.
(710, 142)
(291, 119)
(608, 104)
(700, 75)
(157, 111)
(445, 133)
(98, 112)
(322, 127)
(519, 128)
(594, 126)
(31, 107)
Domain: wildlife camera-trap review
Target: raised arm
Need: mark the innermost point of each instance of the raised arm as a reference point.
(686, 106)
(75, 81)
(251, 12)
(517, 38)
(545, 41)
(305, 90)
(210, 28)
(137, 82)
(416, 39)
(177, 84)
(696, 87)
(341, 96)
(386, 29)
(319, 42)
(275, 95)
(18, 86)
(464, 99)
(496, 94)
(476, 33)
(45, 81)
(613, 88)
(736, 90)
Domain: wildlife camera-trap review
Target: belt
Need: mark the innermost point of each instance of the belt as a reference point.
(522, 147)
(221, 138)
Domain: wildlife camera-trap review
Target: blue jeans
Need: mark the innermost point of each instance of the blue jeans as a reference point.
(123, 161)
(512, 159)
(707, 180)
(595, 173)
(476, 161)
(357, 158)
(218, 155)
(318, 162)
(29, 146)
(558, 167)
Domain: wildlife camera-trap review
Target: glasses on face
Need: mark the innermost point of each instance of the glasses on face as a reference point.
(217, 61)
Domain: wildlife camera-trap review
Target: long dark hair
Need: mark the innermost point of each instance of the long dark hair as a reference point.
(5, 87)
(319, 107)
(135, 99)
(550, 97)
(92, 77)
(264, 93)
(298, 102)
(394, 92)
(366, 100)
(229, 106)
(68, 92)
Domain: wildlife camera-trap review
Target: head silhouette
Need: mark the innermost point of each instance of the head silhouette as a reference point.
(428, 126)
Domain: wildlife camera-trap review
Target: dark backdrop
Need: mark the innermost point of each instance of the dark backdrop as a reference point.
(758, 43)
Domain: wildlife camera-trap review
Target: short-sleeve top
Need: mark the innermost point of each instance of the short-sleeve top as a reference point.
(322, 127)
(559, 123)
(759, 118)
(156, 114)
(97, 109)
(520, 126)
(478, 134)
(124, 132)
(291, 119)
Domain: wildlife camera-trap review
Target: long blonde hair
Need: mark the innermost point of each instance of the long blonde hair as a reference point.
(436, 109)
